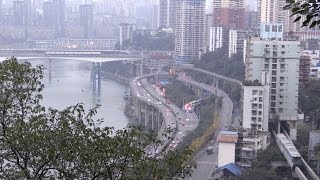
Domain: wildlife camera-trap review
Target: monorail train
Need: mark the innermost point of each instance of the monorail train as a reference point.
(289, 151)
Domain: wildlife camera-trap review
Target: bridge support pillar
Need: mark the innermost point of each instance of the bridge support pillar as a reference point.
(292, 130)
(96, 77)
(50, 71)
(146, 119)
(152, 118)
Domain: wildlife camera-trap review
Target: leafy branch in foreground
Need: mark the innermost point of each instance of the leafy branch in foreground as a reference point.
(306, 11)
(40, 143)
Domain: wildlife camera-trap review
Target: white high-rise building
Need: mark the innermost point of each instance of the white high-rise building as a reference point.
(167, 13)
(215, 38)
(233, 38)
(155, 15)
(256, 105)
(189, 29)
(281, 59)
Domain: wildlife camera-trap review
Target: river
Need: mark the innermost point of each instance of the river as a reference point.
(67, 82)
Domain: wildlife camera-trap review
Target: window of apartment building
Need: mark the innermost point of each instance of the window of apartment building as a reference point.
(273, 104)
(253, 118)
(254, 99)
(283, 52)
(253, 126)
(274, 66)
(281, 90)
(267, 45)
(273, 79)
(275, 53)
(273, 98)
(274, 28)
(259, 113)
(259, 119)
(260, 92)
(254, 112)
(282, 60)
(281, 78)
(254, 92)
(280, 110)
(283, 46)
(273, 85)
(282, 66)
(281, 96)
(259, 126)
(272, 110)
(266, 60)
(274, 72)
(273, 91)
(280, 28)
(274, 60)
(281, 84)
(266, 66)
(254, 106)
(267, 28)
(260, 99)
(281, 103)
(260, 106)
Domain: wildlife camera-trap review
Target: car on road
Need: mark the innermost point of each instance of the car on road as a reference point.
(210, 150)
(187, 119)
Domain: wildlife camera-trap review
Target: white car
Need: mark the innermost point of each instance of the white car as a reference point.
(187, 119)
(149, 100)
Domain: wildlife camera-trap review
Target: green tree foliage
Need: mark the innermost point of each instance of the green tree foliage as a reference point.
(145, 41)
(219, 62)
(309, 97)
(40, 143)
(179, 93)
(306, 8)
(262, 169)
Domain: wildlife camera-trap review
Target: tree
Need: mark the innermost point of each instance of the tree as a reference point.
(307, 8)
(40, 143)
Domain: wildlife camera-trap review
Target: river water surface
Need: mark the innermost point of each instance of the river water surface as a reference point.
(68, 82)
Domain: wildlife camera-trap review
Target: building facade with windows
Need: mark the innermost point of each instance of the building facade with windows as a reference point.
(233, 42)
(189, 30)
(256, 107)
(281, 60)
(215, 38)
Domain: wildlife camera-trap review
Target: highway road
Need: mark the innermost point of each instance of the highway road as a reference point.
(185, 121)
(174, 117)
(206, 163)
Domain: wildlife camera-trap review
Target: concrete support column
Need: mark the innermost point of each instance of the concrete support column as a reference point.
(152, 118)
(146, 119)
(96, 76)
(139, 112)
(293, 130)
(50, 71)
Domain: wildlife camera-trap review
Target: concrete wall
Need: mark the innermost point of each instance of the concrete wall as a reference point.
(226, 153)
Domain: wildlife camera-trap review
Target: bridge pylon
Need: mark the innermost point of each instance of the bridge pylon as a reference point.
(96, 77)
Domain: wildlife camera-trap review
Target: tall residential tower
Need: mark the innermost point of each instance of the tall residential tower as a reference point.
(189, 29)
(167, 13)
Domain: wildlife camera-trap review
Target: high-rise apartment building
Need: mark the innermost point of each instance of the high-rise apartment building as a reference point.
(155, 15)
(86, 20)
(167, 10)
(281, 59)
(215, 38)
(271, 11)
(126, 34)
(22, 13)
(209, 24)
(233, 42)
(189, 29)
(54, 15)
(256, 105)
(229, 13)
